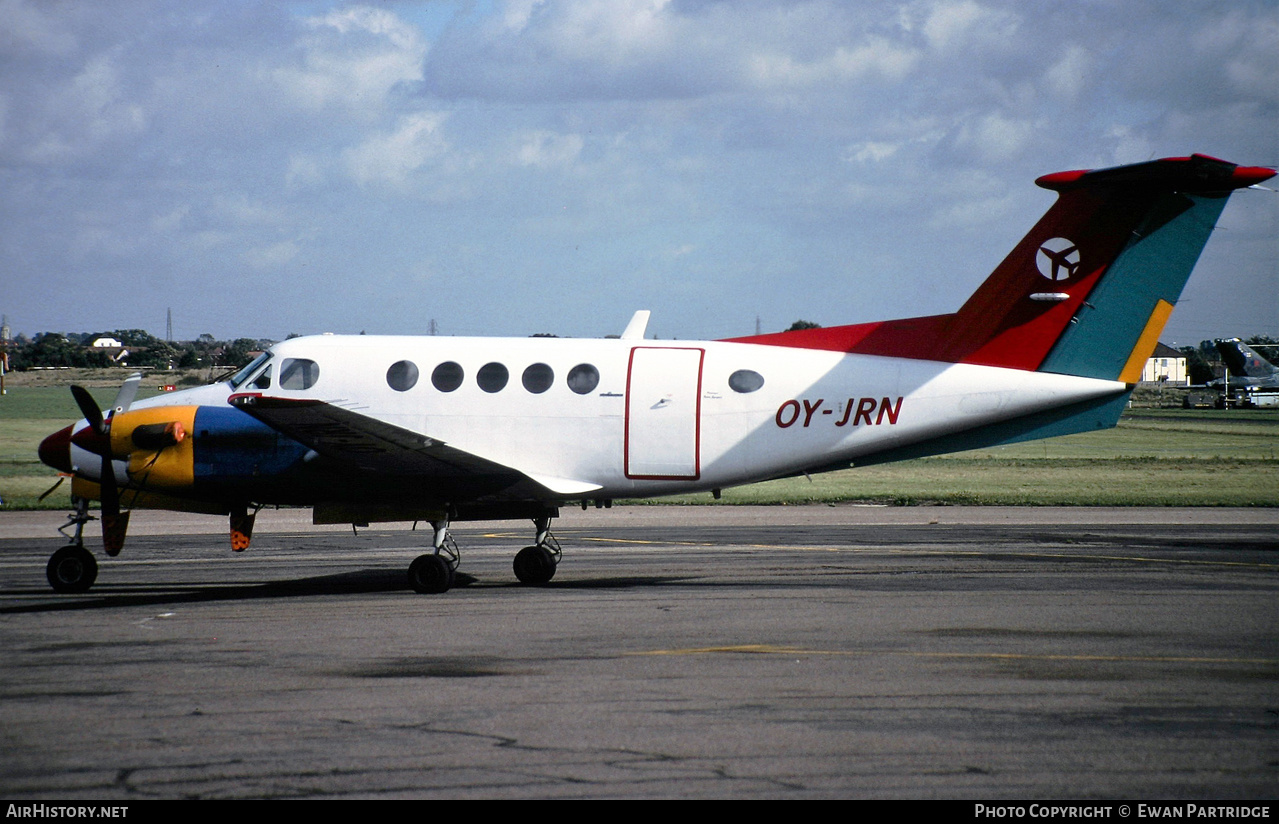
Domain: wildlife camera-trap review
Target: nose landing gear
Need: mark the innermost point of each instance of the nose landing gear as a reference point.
(73, 569)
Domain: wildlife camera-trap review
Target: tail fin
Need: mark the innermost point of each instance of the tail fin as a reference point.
(1242, 360)
(1086, 291)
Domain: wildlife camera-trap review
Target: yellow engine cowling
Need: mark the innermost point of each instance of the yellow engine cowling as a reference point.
(157, 443)
(145, 499)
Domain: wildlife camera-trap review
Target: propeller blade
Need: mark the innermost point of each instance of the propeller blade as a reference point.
(128, 391)
(110, 489)
(113, 523)
(89, 408)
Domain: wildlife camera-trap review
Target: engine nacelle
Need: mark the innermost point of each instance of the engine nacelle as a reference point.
(155, 443)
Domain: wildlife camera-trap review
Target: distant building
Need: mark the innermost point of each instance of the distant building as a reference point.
(106, 343)
(1166, 365)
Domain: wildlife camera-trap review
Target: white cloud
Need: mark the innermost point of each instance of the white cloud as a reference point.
(1070, 77)
(353, 59)
(951, 25)
(272, 256)
(25, 26)
(759, 139)
(391, 158)
(875, 58)
(545, 149)
(871, 151)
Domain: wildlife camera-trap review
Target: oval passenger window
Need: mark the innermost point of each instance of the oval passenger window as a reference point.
(538, 378)
(745, 380)
(492, 377)
(402, 376)
(447, 376)
(583, 378)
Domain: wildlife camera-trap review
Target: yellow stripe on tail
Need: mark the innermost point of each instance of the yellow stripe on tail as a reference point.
(1146, 343)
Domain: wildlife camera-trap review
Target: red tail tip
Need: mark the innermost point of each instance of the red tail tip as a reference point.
(1059, 180)
(1251, 175)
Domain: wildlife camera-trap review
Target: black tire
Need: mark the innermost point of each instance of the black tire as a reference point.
(72, 569)
(534, 565)
(430, 575)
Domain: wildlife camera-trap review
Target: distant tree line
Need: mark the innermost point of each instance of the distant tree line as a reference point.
(207, 352)
(144, 350)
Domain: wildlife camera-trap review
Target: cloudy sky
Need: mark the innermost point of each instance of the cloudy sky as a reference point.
(545, 166)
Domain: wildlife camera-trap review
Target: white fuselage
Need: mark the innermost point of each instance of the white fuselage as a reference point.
(664, 416)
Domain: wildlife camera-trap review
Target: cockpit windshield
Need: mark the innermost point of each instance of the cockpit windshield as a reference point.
(245, 373)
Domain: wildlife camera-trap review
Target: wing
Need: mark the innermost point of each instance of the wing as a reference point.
(369, 444)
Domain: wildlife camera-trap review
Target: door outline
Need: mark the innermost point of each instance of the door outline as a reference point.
(638, 419)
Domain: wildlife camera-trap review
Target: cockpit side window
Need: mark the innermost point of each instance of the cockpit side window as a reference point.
(298, 373)
(240, 377)
(262, 381)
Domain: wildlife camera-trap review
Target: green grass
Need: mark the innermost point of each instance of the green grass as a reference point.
(1155, 457)
(1028, 482)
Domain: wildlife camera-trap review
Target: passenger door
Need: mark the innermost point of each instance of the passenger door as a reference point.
(663, 413)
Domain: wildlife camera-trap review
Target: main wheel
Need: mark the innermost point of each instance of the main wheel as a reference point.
(430, 574)
(534, 565)
(72, 569)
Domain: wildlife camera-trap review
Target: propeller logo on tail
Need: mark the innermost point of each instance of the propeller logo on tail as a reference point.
(1058, 259)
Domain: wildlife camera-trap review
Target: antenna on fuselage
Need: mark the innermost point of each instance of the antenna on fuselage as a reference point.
(638, 325)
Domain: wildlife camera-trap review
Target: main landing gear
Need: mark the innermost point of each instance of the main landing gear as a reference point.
(73, 568)
(536, 564)
(436, 571)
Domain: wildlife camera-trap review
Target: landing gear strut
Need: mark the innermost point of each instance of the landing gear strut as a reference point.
(73, 568)
(434, 572)
(536, 564)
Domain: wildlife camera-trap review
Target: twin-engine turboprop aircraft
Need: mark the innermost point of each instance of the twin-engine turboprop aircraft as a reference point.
(370, 428)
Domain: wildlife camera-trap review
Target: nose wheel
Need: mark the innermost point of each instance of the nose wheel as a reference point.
(72, 569)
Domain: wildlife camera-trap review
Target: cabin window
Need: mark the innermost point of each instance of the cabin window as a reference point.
(583, 378)
(538, 378)
(492, 377)
(745, 380)
(299, 373)
(262, 381)
(447, 376)
(402, 376)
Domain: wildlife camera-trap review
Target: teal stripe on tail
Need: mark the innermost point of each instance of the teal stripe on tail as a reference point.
(1102, 340)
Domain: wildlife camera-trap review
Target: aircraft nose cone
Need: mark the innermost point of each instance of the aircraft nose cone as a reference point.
(55, 450)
